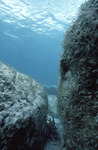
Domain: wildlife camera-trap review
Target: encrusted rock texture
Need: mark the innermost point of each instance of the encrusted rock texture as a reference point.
(23, 111)
(78, 80)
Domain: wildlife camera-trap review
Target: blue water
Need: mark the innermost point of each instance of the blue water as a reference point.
(30, 53)
(31, 34)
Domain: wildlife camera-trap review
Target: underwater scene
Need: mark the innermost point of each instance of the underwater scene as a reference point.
(48, 74)
(31, 34)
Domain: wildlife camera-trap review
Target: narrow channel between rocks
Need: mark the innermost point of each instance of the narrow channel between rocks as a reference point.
(55, 142)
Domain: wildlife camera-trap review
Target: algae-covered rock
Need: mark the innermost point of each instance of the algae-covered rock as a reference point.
(77, 96)
(23, 111)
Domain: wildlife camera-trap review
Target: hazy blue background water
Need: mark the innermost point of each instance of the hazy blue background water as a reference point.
(31, 34)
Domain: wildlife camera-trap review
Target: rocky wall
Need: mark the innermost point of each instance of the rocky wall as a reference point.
(78, 80)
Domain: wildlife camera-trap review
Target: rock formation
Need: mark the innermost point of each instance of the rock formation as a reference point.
(77, 96)
(23, 111)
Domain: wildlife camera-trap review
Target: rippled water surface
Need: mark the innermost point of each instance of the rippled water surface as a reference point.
(31, 33)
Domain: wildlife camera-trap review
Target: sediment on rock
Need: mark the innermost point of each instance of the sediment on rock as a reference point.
(23, 111)
(77, 96)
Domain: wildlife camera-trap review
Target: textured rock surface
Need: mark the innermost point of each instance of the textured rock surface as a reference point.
(77, 98)
(23, 111)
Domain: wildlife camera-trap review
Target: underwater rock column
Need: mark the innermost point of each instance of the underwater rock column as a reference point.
(78, 81)
(23, 111)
